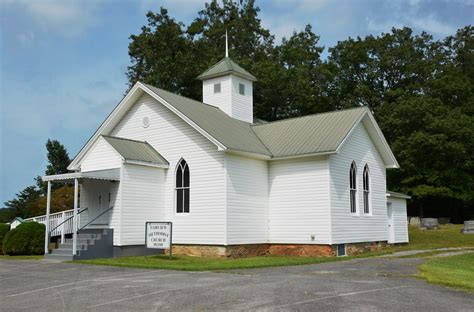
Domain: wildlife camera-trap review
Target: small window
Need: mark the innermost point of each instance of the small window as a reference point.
(341, 250)
(366, 189)
(217, 88)
(182, 187)
(353, 187)
(242, 88)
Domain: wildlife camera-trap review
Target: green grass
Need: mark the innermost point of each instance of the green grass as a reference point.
(187, 263)
(445, 236)
(5, 257)
(455, 271)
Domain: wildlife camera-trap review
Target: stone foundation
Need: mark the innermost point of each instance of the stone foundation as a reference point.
(358, 248)
(253, 250)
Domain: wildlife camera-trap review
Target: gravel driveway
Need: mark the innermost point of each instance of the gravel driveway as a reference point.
(376, 284)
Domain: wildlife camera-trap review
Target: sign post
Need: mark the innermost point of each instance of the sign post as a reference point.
(159, 235)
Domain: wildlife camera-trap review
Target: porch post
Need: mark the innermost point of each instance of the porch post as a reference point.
(63, 226)
(48, 208)
(74, 219)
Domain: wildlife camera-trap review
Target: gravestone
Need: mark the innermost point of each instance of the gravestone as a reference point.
(414, 221)
(468, 227)
(429, 224)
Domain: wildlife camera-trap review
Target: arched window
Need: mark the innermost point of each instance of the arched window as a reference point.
(366, 188)
(353, 187)
(182, 187)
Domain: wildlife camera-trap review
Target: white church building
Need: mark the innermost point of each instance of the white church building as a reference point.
(232, 185)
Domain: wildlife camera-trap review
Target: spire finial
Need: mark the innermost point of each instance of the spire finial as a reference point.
(226, 45)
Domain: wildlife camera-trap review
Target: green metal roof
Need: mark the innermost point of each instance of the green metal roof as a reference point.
(133, 150)
(232, 133)
(311, 134)
(226, 66)
(398, 195)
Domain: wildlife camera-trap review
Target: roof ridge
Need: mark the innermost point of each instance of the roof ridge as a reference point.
(182, 96)
(309, 115)
(125, 139)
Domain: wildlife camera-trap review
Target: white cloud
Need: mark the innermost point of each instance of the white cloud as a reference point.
(67, 18)
(432, 25)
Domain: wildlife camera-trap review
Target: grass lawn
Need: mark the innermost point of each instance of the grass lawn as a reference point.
(446, 236)
(5, 257)
(187, 263)
(455, 271)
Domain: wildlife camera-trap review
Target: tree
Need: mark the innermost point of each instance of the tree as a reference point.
(58, 161)
(170, 56)
(421, 92)
(32, 201)
(23, 202)
(420, 89)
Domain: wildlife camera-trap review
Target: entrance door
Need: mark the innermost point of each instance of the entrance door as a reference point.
(102, 203)
(391, 228)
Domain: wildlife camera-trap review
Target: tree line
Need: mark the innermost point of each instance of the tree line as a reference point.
(419, 89)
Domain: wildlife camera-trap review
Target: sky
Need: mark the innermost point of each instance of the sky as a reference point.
(63, 63)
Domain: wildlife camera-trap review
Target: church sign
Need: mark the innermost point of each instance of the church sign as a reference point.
(158, 235)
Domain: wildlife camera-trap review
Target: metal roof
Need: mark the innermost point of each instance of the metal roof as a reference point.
(109, 175)
(133, 150)
(397, 195)
(313, 134)
(234, 134)
(226, 66)
(307, 135)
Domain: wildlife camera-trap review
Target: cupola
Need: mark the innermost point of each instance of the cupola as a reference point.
(228, 86)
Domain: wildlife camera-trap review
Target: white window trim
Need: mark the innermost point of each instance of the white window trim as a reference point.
(369, 191)
(178, 166)
(220, 88)
(243, 85)
(356, 199)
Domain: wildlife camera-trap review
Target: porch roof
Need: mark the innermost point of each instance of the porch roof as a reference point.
(108, 175)
(134, 151)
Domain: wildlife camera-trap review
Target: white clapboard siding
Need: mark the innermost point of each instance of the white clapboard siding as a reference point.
(221, 99)
(400, 219)
(247, 200)
(299, 201)
(89, 198)
(174, 139)
(100, 157)
(242, 105)
(142, 201)
(346, 227)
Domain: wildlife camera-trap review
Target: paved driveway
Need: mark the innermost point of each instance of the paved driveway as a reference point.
(355, 285)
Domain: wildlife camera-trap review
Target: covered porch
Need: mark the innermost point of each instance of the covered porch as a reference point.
(95, 195)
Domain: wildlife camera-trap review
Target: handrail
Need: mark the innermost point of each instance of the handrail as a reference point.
(82, 210)
(100, 214)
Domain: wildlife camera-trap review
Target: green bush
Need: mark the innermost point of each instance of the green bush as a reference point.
(4, 228)
(25, 239)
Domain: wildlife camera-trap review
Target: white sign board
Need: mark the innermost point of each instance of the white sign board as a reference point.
(158, 235)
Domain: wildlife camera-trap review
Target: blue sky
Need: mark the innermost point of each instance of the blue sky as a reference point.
(63, 63)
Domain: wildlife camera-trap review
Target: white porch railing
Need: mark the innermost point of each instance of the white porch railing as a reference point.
(55, 219)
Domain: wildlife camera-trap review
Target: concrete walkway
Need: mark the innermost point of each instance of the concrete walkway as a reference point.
(372, 284)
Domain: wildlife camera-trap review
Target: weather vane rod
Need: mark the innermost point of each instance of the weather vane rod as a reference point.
(226, 45)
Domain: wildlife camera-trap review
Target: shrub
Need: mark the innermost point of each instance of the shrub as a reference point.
(25, 239)
(4, 228)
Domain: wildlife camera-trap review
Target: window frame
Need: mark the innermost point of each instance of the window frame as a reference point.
(366, 187)
(241, 88)
(217, 86)
(353, 188)
(181, 167)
